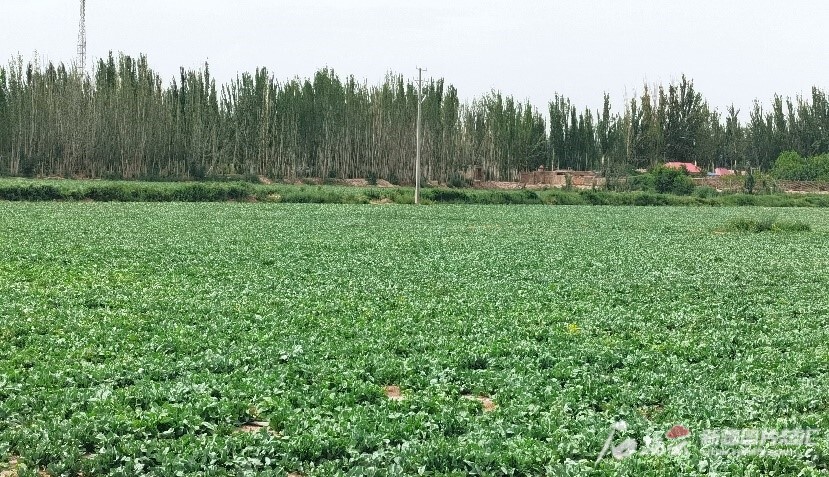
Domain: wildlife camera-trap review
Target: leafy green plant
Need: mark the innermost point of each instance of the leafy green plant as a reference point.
(235, 338)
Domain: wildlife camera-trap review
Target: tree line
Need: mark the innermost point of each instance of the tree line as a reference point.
(122, 121)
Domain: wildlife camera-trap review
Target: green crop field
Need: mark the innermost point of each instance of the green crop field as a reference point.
(236, 338)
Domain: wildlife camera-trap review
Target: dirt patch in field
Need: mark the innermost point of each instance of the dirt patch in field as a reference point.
(819, 192)
(486, 403)
(356, 182)
(265, 180)
(257, 426)
(10, 469)
(502, 185)
(384, 183)
(383, 201)
(393, 393)
(649, 412)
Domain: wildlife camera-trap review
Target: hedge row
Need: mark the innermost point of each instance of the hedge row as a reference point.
(126, 192)
(243, 191)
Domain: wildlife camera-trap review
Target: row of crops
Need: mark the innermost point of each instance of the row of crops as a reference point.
(276, 339)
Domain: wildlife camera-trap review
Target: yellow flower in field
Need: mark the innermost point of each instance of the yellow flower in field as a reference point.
(573, 328)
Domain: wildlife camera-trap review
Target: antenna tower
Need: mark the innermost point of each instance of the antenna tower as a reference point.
(82, 38)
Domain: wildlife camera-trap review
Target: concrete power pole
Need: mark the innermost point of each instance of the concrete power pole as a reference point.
(82, 38)
(419, 113)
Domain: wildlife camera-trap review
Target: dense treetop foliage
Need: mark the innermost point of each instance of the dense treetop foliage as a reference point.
(122, 121)
(792, 166)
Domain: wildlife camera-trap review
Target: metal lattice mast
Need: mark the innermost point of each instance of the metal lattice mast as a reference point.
(418, 136)
(82, 38)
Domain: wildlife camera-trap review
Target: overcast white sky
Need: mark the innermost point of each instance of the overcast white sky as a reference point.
(735, 50)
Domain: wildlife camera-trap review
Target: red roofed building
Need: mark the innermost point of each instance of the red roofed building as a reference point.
(690, 167)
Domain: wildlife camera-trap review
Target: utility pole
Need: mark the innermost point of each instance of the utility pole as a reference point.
(419, 113)
(82, 39)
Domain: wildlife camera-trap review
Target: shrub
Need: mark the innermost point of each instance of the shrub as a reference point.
(739, 199)
(356, 199)
(705, 192)
(749, 184)
(558, 197)
(767, 223)
(790, 165)
(791, 226)
(445, 195)
(668, 180)
(648, 198)
(31, 193)
(642, 182)
(458, 181)
(106, 193)
(28, 190)
(197, 171)
(27, 167)
(371, 178)
(594, 198)
(817, 200)
(514, 197)
(238, 191)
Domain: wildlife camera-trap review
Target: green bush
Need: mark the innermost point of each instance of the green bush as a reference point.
(35, 192)
(69, 190)
(641, 182)
(668, 180)
(648, 198)
(458, 181)
(767, 223)
(792, 166)
(445, 195)
(559, 197)
(106, 193)
(371, 178)
(522, 197)
(705, 192)
(749, 183)
(738, 199)
(816, 200)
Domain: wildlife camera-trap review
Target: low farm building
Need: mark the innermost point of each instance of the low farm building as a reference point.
(689, 166)
(561, 178)
(722, 171)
